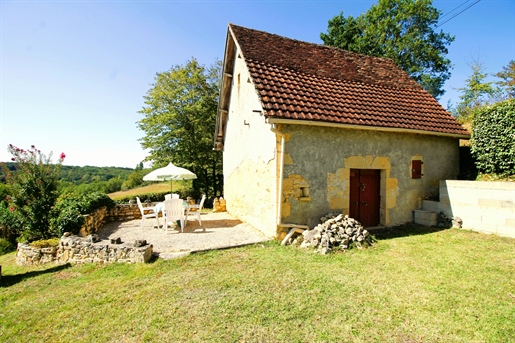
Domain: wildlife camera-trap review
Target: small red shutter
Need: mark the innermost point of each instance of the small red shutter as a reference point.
(416, 169)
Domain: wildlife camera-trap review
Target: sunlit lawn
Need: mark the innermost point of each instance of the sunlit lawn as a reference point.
(157, 187)
(414, 285)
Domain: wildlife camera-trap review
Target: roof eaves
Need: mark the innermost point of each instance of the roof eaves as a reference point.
(364, 127)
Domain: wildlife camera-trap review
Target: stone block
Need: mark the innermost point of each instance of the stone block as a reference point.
(489, 202)
(427, 218)
(429, 205)
(507, 231)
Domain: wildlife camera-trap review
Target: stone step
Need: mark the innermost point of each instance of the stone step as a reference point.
(424, 217)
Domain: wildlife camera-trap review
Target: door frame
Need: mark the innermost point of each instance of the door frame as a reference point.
(361, 196)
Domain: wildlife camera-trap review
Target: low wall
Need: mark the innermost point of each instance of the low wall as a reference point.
(119, 213)
(482, 205)
(93, 222)
(75, 250)
(123, 212)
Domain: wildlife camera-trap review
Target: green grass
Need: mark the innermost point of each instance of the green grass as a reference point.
(414, 285)
(157, 187)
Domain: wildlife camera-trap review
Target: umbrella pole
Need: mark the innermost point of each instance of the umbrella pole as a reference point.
(171, 186)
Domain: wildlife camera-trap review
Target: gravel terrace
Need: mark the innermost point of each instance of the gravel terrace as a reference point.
(218, 231)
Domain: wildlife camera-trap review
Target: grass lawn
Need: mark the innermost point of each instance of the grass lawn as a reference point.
(157, 187)
(416, 285)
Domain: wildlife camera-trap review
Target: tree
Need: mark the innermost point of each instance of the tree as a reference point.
(33, 192)
(179, 120)
(403, 30)
(477, 92)
(508, 79)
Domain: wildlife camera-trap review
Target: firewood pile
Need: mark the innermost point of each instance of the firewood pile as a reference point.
(336, 231)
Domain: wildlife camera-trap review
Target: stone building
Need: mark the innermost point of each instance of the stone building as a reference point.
(306, 129)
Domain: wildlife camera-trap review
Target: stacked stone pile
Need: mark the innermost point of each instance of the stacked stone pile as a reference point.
(336, 231)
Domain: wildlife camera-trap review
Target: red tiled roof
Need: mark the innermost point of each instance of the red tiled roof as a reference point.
(306, 81)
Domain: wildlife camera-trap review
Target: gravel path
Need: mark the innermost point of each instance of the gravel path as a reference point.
(218, 231)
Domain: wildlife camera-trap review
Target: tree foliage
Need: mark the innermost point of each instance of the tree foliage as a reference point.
(476, 93)
(493, 138)
(67, 214)
(179, 119)
(507, 76)
(403, 30)
(32, 193)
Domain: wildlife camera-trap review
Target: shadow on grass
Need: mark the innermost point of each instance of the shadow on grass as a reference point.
(9, 280)
(406, 230)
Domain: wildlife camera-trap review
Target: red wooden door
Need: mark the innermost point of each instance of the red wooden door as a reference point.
(364, 196)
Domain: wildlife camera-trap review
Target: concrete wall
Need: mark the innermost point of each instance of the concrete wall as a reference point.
(250, 168)
(483, 206)
(320, 158)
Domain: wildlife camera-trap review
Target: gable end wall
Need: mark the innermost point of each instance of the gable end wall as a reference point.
(250, 168)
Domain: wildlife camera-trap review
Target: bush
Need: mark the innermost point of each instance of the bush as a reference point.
(45, 243)
(67, 214)
(33, 192)
(493, 138)
(6, 246)
(156, 196)
(9, 225)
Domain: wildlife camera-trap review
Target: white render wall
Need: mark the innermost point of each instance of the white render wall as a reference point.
(483, 206)
(250, 166)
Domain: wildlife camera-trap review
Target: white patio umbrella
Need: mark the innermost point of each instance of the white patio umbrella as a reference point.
(170, 172)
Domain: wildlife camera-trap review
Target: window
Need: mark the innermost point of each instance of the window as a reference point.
(416, 169)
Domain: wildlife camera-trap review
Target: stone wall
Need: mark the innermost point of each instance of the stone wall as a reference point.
(93, 222)
(75, 249)
(321, 158)
(123, 212)
(82, 249)
(250, 165)
(97, 219)
(482, 206)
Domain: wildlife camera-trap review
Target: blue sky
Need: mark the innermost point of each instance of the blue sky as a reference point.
(73, 73)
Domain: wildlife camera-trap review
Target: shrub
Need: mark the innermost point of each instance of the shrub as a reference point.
(33, 192)
(67, 214)
(493, 138)
(6, 246)
(156, 196)
(45, 243)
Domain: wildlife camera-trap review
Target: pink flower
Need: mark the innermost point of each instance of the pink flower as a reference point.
(11, 209)
(62, 156)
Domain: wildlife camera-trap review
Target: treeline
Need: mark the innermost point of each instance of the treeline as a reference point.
(91, 178)
(90, 174)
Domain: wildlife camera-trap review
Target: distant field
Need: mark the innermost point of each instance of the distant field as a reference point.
(153, 188)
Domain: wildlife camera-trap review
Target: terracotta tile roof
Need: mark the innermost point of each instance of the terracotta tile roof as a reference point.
(306, 81)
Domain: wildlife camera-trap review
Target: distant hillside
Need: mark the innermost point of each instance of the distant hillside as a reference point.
(83, 175)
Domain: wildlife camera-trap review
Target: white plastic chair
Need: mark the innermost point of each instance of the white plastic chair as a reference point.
(144, 215)
(174, 212)
(168, 196)
(175, 196)
(195, 209)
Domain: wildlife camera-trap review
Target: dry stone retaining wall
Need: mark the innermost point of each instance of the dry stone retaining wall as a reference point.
(123, 212)
(93, 222)
(75, 249)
